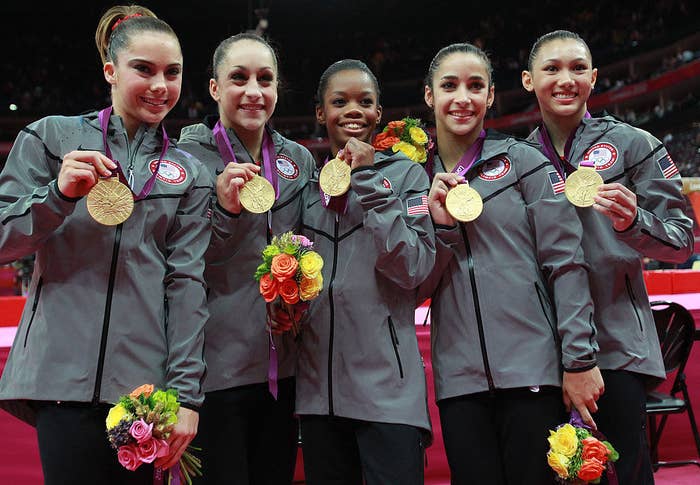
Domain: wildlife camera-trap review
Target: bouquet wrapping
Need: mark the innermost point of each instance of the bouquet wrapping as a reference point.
(579, 457)
(289, 275)
(138, 427)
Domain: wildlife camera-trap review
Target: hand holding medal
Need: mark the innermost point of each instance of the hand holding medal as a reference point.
(618, 203)
(442, 184)
(229, 184)
(81, 170)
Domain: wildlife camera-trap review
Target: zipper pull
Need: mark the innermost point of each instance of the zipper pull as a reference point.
(130, 177)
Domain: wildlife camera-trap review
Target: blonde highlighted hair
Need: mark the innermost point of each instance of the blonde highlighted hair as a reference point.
(118, 24)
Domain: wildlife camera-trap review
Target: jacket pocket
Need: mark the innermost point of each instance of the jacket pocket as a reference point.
(34, 305)
(395, 344)
(633, 301)
(542, 298)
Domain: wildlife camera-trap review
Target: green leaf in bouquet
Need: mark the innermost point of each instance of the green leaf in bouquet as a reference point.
(261, 271)
(613, 455)
(270, 252)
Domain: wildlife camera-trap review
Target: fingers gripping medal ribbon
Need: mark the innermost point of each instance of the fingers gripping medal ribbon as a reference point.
(582, 185)
(258, 194)
(110, 201)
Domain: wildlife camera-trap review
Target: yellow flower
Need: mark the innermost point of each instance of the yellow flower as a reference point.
(408, 149)
(564, 440)
(559, 463)
(115, 415)
(309, 288)
(418, 135)
(310, 264)
(421, 155)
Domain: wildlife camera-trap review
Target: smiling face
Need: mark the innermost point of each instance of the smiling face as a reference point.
(460, 94)
(349, 108)
(562, 77)
(246, 86)
(146, 79)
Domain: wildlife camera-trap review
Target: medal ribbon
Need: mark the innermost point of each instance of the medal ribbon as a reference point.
(228, 156)
(148, 186)
(470, 156)
(338, 204)
(562, 164)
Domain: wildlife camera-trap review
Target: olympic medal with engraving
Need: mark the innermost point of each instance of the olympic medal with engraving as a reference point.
(582, 186)
(464, 203)
(110, 202)
(334, 178)
(257, 195)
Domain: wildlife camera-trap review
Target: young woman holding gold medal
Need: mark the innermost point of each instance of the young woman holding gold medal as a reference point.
(505, 237)
(118, 300)
(361, 393)
(248, 432)
(627, 190)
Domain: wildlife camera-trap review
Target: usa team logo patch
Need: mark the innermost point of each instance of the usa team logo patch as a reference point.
(417, 205)
(169, 172)
(286, 167)
(558, 184)
(494, 169)
(668, 168)
(386, 183)
(603, 155)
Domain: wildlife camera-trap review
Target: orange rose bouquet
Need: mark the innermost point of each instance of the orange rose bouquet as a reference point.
(577, 456)
(138, 427)
(407, 136)
(290, 274)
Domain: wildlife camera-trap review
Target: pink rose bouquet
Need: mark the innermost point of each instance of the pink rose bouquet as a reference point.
(138, 427)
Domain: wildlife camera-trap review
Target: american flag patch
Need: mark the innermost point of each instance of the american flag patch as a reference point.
(668, 168)
(557, 182)
(417, 205)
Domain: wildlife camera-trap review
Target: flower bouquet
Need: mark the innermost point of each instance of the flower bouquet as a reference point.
(405, 135)
(577, 456)
(138, 427)
(290, 271)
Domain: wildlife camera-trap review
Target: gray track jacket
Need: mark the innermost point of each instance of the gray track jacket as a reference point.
(626, 332)
(358, 355)
(236, 340)
(109, 308)
(511, 304)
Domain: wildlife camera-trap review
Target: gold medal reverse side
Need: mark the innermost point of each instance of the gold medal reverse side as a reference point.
(110, 202)
(582, 186)
(257, 195)
(464, 203)
(334, 178)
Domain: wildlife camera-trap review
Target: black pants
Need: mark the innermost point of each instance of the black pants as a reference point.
(621, 417)
(340, 451)
(500, 438)
(74, 448)
(247, 437)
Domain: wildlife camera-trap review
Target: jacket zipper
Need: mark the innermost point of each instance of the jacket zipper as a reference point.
(395, 344)
(105, 322)
(477, 309)
(110, 290)
(332, 322)
(132, 158)
(633, 300)
(34, 305)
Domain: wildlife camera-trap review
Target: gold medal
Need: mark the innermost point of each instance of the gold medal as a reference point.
(257, 195)
(464, 203)
(334, 178)
(110, 202)
(582, 186)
